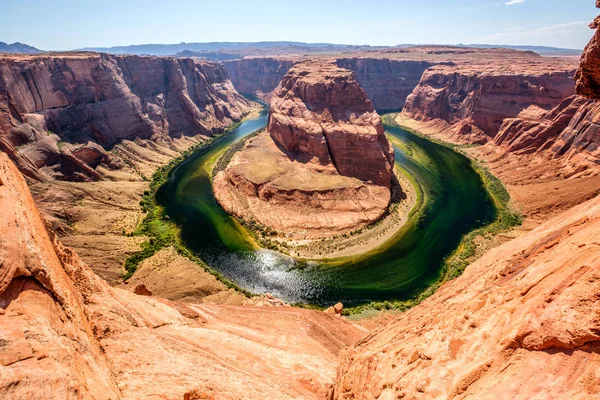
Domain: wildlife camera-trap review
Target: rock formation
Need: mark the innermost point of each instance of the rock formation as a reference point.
(324, 166)
(522, 322)
(569, 133)
(588, 81)
(61, 113)
(387, 82)
(474, 99)
(321, 114)
(64, 333)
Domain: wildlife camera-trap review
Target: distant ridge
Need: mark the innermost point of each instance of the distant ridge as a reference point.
(541, 50)
(17, 47)
(211, 49)
(171, 49)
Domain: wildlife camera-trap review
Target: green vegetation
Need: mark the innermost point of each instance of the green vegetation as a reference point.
(161, 231)
(505, 219)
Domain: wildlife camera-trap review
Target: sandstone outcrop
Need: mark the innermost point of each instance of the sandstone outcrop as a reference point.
(64, 333)
(388, 82)
(474, 99)
(320, 114)
(60, 113)
(588, 74)
(569, 133)
(323, 167)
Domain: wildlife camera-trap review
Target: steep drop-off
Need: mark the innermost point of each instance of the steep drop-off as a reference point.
(257, 76)
(474, 99)
(387, 82)
(64, 333)
(324, 166)
(61, 113)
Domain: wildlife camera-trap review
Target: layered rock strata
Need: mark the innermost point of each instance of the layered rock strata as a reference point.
(61, 113)
(323, 167)
(388, 82)
(64, 333)
(258, 76)
(474, 99)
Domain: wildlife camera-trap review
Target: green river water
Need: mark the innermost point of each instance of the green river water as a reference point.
(452, 202)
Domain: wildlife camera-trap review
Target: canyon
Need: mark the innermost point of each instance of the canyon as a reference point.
(82, 133)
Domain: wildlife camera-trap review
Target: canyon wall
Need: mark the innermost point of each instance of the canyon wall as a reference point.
(320, 113)
(257, 76)
(475, 99)
(64, 333)
(60, 114)
(387, 82)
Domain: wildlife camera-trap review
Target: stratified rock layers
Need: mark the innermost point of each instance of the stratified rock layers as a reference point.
(475, 99)
(325, 165)
(321, 114)
(60, 113)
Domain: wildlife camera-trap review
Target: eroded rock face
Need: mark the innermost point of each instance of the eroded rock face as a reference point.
(323, 167)
(588, 74)
(51, 107)
(64, 333)
(522, 322)
(320, 114)
(475, 99)
(257, 76)
(387, 82)
(570, 133)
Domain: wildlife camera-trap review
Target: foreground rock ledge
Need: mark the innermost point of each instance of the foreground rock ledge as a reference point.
(323, 167)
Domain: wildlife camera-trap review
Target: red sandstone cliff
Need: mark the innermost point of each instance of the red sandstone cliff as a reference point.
(321, 114)
(59, 114)
(64, 333)
(257, 76)
(475, 99)
(387, 82)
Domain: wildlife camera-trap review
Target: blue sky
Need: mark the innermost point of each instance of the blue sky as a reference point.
(69, 24)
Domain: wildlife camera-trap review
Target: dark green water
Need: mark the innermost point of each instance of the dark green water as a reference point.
(453, 202)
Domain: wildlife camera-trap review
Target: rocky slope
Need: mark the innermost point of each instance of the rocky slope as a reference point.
(523, 322)
(474, 99)
(324, 166)
(60, 114)
(569, 133)
(64, 333)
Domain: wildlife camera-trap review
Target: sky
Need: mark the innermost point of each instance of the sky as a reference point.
(73, 24)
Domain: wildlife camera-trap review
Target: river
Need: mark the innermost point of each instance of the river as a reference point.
(453, 202)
